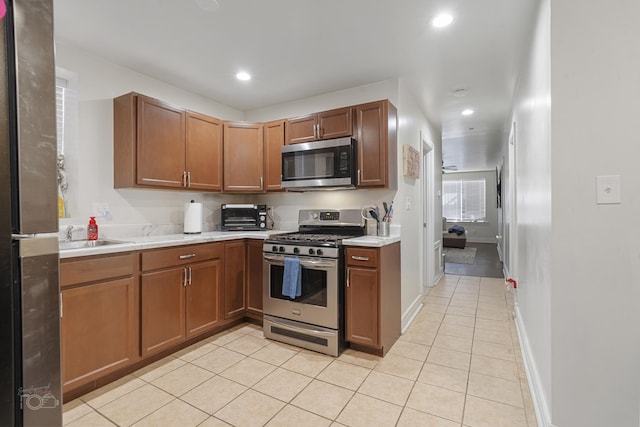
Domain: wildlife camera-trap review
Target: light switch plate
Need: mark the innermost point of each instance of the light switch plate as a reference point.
(608, 189)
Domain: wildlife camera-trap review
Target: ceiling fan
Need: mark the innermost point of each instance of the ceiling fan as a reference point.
(449, 168)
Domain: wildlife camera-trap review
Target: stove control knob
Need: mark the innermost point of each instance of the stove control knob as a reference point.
(319, 252)
(296, 250)
(281, 249)
(274, 249)
(311, 251)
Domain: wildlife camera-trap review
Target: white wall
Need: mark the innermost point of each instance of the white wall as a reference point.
(483, 232)
(595, 297)
(90, 161)
(578, 265)
(532, 114)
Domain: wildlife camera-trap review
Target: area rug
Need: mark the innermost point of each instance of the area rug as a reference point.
(460, 256)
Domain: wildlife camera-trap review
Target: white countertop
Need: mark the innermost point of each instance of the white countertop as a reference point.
(151, 242)
(372, 241)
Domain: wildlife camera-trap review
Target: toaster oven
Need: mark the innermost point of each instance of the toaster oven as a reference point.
(243, 217)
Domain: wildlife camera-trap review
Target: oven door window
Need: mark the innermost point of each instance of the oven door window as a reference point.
(314, 286)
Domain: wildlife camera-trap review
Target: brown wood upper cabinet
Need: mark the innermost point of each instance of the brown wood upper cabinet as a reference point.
(325, 125)
(376, 124)
(157, 145)
(243, 157)
(273, 142)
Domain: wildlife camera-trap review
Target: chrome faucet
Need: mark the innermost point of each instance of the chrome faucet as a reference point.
(69, 233)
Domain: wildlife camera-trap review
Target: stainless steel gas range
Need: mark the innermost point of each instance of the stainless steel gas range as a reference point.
(314, 319)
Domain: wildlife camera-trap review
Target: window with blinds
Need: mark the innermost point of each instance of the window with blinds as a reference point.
(464, 200)
(61, 88)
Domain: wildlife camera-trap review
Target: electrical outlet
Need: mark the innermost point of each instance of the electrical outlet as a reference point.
(101, 209)
(408, 203)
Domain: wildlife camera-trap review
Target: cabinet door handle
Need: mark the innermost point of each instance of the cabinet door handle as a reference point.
(261, 183)
(189, 179)
(320, 132)
(187, 256)
(61, 305)
(348, 276)
(190, 275)
(184, 178)
(316, 131)
(184, 277)
(360, 258)
(358, 176)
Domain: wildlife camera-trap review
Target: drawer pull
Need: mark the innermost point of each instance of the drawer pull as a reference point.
(360, 258)
(187, 256)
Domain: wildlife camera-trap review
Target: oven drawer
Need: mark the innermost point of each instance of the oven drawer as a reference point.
(362, 257)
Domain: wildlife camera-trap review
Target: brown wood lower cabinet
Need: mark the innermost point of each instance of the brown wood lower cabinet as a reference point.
(122, 310)
(373, 314)
(179, 300)
(254, 278)
(99, 317)
(234, 279)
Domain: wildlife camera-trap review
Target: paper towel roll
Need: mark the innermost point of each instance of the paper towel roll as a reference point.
(192, 218)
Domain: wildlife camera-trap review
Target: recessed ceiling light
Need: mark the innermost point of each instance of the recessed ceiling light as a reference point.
(459, 93)
(208, 5)
(467, 112)
(442, 20)
(244, 76)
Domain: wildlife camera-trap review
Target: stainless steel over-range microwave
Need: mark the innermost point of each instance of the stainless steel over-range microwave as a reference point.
(320, 165)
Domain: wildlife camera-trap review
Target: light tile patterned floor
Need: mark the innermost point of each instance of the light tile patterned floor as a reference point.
(459, 364)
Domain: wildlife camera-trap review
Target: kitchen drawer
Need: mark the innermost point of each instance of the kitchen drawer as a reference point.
(99, 267)
(180, 255)
(362, 257)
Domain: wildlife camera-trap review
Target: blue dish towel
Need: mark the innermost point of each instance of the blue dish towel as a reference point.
(292, 278)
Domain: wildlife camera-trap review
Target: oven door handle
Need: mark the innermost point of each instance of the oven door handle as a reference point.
(279, 260)
(305, 330)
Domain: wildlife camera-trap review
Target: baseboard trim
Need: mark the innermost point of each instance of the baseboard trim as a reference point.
(543, 416)
(481, 240)
(411, 313)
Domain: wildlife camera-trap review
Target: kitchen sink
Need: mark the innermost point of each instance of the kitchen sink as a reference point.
(83, 244)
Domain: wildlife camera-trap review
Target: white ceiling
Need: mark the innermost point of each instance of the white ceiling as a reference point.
(299, 48)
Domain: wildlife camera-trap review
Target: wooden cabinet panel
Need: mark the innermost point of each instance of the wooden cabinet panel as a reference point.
(99, 330)
(162, 309)
(273, 143)
(362, 306)
(254, 277)
(243, 157)
(373, 313)
(301, 129)
(204, 296)
(156, 145)
(180, 255)
(325, 125)
(92, 269)
(161, 144)
(234, 279)
(363, 257)
(335, 123)
(203, 152)
(372, 144)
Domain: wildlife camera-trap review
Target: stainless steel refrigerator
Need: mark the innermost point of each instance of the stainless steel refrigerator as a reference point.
(30, 384)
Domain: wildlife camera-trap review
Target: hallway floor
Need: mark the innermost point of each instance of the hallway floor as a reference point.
(487, 262)
(458, 364)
